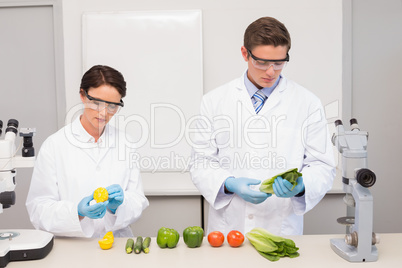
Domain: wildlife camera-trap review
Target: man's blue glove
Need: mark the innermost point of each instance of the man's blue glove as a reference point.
(241, 187)
(283, 188)
(95, 211)
(116, 197)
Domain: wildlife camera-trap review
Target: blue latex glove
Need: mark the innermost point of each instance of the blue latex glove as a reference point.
(116, 197)
(95, 211)
(283, 188)
(241, 187)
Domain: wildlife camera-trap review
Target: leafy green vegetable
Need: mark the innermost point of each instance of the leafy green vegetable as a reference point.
(291, 175)
(270, 246)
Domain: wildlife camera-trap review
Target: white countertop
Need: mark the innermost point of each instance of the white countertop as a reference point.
(315, 251)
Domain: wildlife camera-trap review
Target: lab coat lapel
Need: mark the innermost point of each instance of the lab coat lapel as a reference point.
(275, 97)
(81, 139)
(243, 97)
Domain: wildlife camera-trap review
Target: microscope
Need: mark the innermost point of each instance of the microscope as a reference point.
(18, 245)
(360, 240)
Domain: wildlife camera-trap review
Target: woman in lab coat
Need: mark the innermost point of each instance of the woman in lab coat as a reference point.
(82, 156)
(235, 148)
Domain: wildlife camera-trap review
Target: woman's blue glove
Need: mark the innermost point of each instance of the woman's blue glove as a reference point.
(95, 211)
(283, 188)
(241, 187)
(116, 197)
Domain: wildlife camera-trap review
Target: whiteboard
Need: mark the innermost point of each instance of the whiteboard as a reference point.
(160, 55)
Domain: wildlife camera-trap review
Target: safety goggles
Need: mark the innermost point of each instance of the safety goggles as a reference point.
(264, 64)
(99, 105)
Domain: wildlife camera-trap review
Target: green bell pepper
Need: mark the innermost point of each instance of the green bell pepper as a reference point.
(167, 238)
(193, 236)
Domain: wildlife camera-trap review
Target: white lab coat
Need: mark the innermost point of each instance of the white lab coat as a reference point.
(289, 132)
(69, 167)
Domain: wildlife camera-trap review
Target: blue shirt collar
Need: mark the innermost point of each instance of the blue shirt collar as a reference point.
(252, 89)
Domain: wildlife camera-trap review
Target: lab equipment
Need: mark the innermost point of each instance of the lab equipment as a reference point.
(16, 245)
(360, 240)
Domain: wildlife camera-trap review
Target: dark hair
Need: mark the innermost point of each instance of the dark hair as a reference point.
(266, 31)
(100, 75)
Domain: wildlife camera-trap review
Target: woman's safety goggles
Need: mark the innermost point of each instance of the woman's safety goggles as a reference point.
(264, 64)
(99, 105)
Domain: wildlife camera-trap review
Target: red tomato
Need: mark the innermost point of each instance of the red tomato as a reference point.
(216, 238)
(235, 238)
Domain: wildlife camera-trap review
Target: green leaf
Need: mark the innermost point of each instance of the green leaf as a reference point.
(270, 246)
(261, 242)
(294, 255)
(291, 250)
(290, 175)
(269, 256)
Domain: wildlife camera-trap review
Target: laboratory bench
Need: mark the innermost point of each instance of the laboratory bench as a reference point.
(315, 251)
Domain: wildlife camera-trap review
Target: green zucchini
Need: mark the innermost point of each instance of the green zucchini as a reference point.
(138, 245)
(129, 245)
(145, 244)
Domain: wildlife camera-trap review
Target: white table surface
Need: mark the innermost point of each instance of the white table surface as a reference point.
(315, 251)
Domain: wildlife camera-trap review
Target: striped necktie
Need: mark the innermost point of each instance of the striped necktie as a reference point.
(258, 100)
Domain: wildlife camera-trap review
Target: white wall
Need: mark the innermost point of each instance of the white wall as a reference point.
(376, 103)
(224, 23)
(377, 97)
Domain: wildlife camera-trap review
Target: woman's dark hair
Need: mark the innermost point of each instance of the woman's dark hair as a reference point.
(100, 75)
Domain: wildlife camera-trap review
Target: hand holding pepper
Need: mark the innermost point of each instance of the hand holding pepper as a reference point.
(116, 197)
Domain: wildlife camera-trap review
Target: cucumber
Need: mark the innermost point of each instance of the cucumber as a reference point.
(145, 244)
(129, 245)
(138, 245)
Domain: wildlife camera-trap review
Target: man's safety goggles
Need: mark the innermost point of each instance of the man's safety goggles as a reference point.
(264, 64)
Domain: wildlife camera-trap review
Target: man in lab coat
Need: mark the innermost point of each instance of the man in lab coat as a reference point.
(255, 127)
(83, 156)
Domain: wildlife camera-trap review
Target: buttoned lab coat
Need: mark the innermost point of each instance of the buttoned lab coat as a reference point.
(69, 167)
(231, 140)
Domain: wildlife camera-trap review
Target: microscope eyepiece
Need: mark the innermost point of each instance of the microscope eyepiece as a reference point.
(338, 122)
(12, 125)
(353, 121)
(365, 177)
(353, 124)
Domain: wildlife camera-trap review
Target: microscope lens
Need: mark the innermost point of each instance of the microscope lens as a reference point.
(12, 123)
(338, 122)
(365, 177)
(353, 121)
